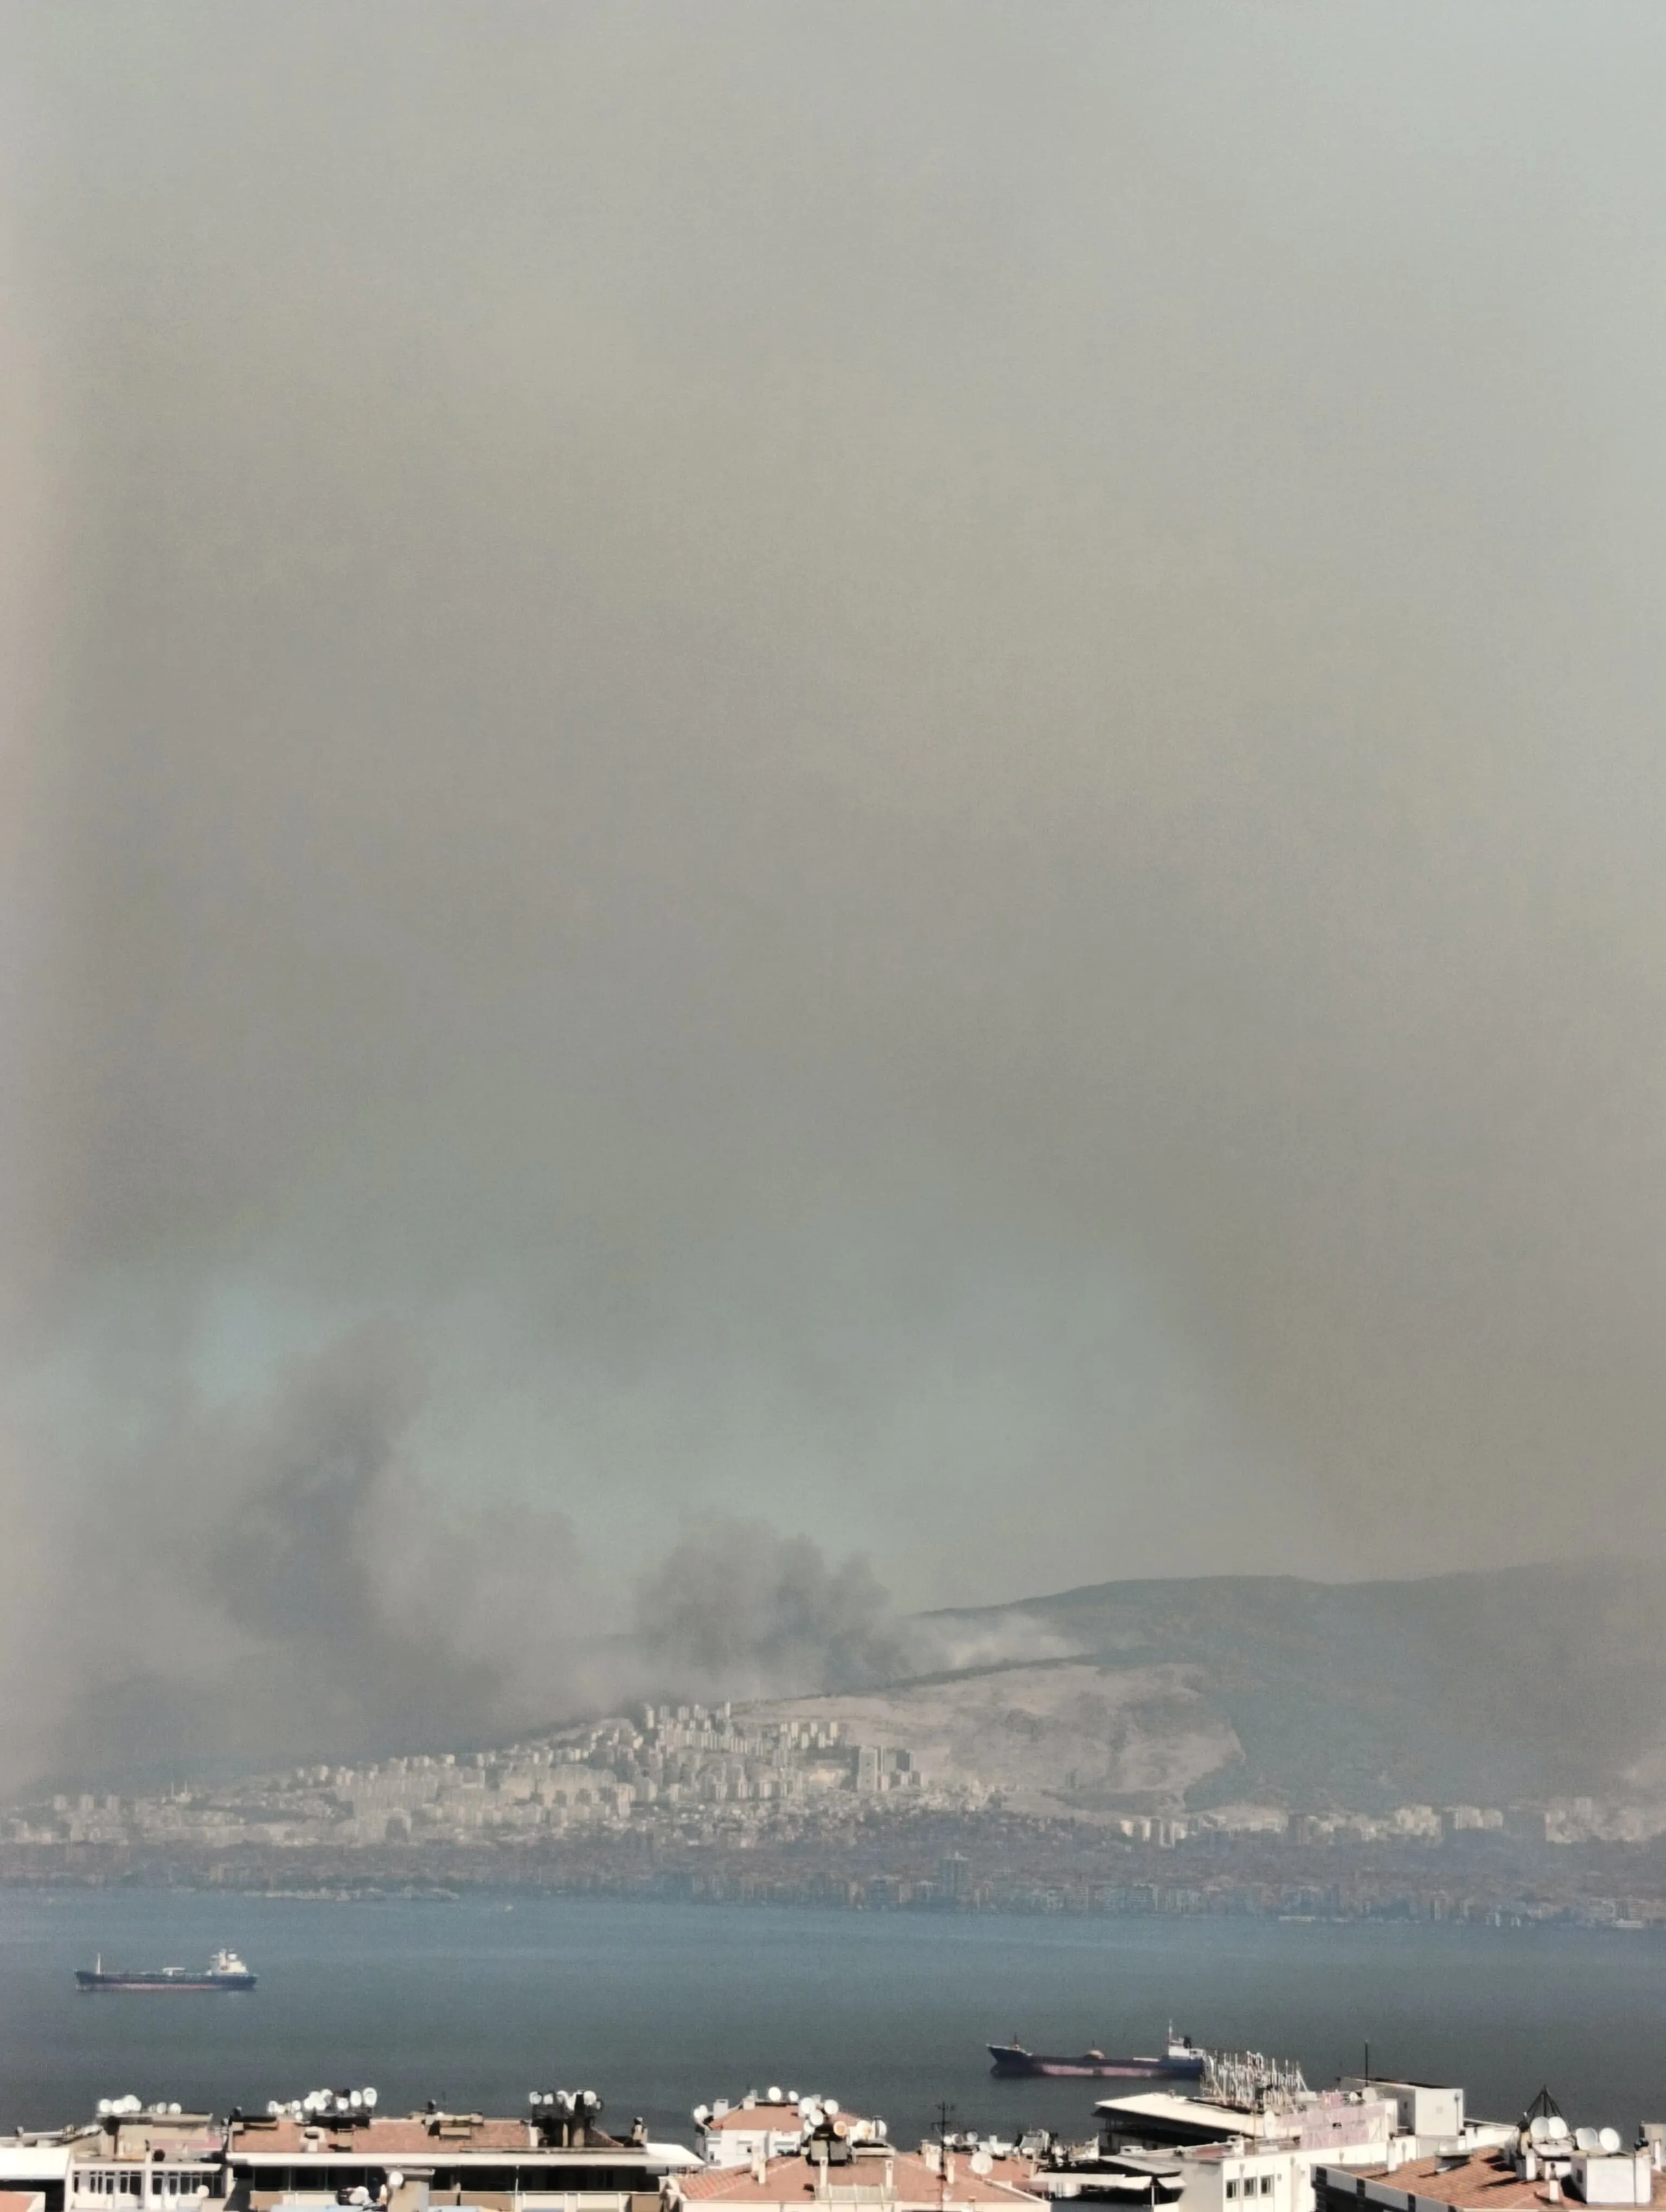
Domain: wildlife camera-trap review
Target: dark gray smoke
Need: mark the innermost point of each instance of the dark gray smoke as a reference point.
(279, 1584)
(740, 1607)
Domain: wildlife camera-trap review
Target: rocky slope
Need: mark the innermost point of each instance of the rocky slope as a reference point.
(1522, 1685)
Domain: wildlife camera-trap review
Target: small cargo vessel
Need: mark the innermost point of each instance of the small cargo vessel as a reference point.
(1181, 2060)
(225, 1971)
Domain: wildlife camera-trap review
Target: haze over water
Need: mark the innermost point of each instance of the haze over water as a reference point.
(660, 2006)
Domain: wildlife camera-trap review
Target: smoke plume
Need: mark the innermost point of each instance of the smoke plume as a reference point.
(313, 1598)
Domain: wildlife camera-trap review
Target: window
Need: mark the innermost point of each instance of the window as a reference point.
(1232, 2192)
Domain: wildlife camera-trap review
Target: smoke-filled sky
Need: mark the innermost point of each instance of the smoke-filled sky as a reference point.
(885, 776)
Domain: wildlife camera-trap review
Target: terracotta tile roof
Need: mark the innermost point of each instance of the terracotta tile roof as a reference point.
(1488, 2178)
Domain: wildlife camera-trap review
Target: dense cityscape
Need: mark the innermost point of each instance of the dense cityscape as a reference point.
(1209, 2129)
(757, 1805)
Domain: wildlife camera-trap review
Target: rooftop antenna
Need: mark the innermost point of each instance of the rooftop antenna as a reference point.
(944, 2110)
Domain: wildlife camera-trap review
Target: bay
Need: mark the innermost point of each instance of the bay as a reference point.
(662, 2006)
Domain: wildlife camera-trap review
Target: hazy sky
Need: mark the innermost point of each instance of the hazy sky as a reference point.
(896, 771)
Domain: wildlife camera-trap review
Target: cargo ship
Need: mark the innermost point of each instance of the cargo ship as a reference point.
(224, 1970)
(1181, 2060)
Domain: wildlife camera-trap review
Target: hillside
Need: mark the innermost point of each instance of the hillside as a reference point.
(1491, 1688)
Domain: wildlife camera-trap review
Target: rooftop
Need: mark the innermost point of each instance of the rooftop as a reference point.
(753, 2118)
(1486, 2178)
(425, 2137)
(1164, 2105)
(438, 2138)
(912, 2182)
(421, 2134)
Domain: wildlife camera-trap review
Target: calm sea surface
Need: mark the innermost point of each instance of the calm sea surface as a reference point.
(660, 2006)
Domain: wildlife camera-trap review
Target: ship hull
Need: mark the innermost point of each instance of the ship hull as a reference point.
(87, 1979)
(1016, 2063)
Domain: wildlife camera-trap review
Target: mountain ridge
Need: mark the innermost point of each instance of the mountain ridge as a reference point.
(1481, 1684)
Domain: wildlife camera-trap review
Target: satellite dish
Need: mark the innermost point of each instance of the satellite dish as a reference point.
(792, 2096)
(396, 2180)
(879, 2129)
(370, 2100)
(1556, 2127)
(356, 2100)
(829, 2105)
(775, 2096)
(981, 2162)
(1585, 2139)
(1608, 2141)
(173, 2110)
(103, 2108)
(702, 2114)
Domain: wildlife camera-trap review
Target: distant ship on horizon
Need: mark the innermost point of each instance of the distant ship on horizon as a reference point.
(225, 1971)
(1180, 2060)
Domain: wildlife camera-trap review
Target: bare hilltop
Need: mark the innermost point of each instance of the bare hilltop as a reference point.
(1527, 1684)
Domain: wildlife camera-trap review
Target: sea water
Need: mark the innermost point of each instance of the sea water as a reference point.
(662, 2006)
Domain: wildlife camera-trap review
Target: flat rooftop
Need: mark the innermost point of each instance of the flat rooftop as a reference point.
(430, 2137)
(912, 2181)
